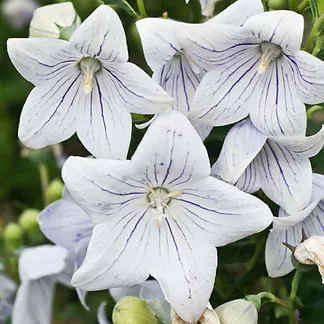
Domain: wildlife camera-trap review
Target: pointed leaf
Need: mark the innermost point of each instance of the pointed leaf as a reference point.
(122, 4)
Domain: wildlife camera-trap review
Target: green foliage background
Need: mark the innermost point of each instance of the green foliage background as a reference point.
(241, 268)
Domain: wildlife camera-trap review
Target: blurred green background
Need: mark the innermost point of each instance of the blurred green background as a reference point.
(21, 183)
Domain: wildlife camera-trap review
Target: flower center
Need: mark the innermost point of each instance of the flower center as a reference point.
(193, 65)
(89, 66)
(159, 199)
(270, 52)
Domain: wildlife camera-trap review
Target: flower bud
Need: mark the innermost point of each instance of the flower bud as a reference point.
(28, 219)
(54, 190)
(311, 252)
(237, 311)
(277, 4)
(132, 310)
(54, 21)
(208, 317)
(12, 236)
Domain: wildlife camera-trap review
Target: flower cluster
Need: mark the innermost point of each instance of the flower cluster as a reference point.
(164, 211)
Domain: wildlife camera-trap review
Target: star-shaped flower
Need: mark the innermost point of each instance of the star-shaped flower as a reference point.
(160, 214)
(288, 228)
(280, 166)
(259, 70)
(84, 85)
(39, 269)
(170, 60)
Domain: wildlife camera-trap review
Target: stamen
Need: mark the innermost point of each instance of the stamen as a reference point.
(270, 52)
(89, 66)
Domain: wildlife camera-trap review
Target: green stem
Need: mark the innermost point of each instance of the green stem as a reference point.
(292, 5)
(265, 5)
(292, 296)
(272, 298)
(44, 182)
(141, 8)
(302, 5)
(259, 250)
(314, 34)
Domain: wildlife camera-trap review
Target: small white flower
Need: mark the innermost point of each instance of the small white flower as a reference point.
(84, 85)
(280, 166)
(39, 269)
(208, 317)
(18, 12)
(160, 214)
(288, 228)
(311, 251)
(174, 68)
(237, 311)
(46, 18)
(258, 70)
(66, 224)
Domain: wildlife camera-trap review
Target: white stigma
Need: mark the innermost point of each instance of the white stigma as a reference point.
(89, 66)
(270, 52)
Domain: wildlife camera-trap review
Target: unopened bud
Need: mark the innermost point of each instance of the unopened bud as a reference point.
(28, 219)
(54, 190)
(237, 311)
(132, 310)
(277, 4)
(208, 317)
(12, 235)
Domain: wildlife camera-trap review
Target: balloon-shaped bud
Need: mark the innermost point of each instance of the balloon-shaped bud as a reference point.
(28, 219)
(54, 190)
(12, 236)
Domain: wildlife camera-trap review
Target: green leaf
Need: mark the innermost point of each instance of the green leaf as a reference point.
(123, 4)
(314, 8)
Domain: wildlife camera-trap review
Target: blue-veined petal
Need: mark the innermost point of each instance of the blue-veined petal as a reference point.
(101, 35)
(250, 181)
(171, 152)
(49, 114)
(216, 210)
(101, 314)
(241, 145)
(202, 130)
(308, 74)
(42, 60)
(159, 40)
(286, 176)
(275, 106)
(275, 27)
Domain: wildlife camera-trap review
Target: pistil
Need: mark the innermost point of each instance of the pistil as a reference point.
(89, 67)
(270, 52)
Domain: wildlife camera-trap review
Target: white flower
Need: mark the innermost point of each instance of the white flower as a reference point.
(18, 12)
(46, 18)
(85, 86)
(160, 214)
(39, 269)
(258, 70)
(311, 251)
(66, 224)
(237, 311)
(288, 228)
(208, 317)
(174, 68)
(7, 291)
(280, 166)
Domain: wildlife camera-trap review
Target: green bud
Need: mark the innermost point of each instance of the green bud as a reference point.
(132, 310)
(12, 235)
(54, 190)
(277, 4)
(255, 300)
(66, 32)
(28, 219)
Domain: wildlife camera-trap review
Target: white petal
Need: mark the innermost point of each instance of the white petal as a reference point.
(238, 12)
(171, 152)
(179, 80)
(102, 35)
(275, 27)
(314, 223)
(117, 252)
(308, 74)
(202, 130)
(223, 94)
(103, 124)
(159, 40)
(242, 143)
(41, 60)
(318, 186)
(121, 292)
(275, 107)
(42, 261)
(50, 112)
(104, 188)
(132, 88)
(216, 210)
(250, 181)
(45, 19)
(7, 286)
(304, 146)
(65, 223)
(185, 268)
(278, 256)
(33, 302)
(286, 177)
(101, 314)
